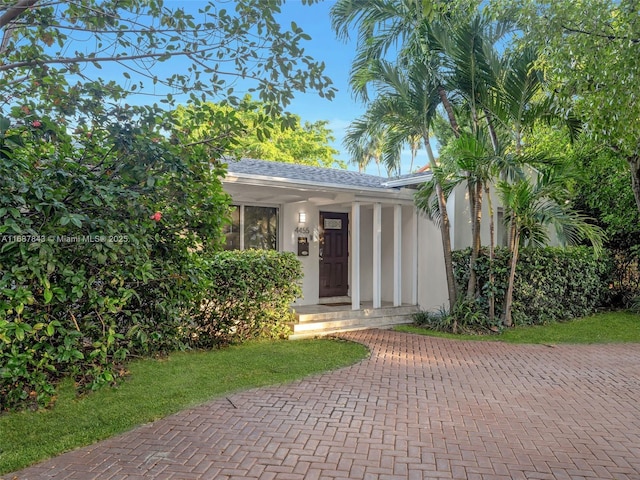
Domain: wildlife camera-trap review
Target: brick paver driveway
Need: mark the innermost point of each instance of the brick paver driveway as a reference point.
(418, 408)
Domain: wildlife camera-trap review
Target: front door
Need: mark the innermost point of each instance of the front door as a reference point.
(334, 254)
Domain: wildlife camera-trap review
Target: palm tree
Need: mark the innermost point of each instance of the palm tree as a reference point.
(534, 206)
(364, 141)
(405, 108)
(437, 53)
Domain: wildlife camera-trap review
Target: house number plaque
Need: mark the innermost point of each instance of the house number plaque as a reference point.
(333, 224)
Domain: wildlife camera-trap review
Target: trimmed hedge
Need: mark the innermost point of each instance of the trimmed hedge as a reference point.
(551, 284)
(247, 295)
(224, 298)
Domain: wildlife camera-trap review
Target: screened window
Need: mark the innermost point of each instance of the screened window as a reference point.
(232, 231)
(253, 227)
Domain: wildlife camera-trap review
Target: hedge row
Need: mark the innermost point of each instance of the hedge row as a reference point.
(226, 298)
(551, 283)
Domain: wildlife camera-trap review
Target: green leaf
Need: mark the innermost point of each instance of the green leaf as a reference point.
(5, 124)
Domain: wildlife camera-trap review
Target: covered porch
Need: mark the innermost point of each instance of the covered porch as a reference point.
(355, 238)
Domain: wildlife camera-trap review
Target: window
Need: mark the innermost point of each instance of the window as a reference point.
(259, 227)
(232, 231)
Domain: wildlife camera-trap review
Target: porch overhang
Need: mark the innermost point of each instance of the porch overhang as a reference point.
(383, 231)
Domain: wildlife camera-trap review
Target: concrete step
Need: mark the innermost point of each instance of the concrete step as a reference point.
(346, 313)
(328, 323)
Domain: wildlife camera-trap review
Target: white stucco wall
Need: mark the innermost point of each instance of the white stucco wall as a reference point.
(289, 237)
(432, 284)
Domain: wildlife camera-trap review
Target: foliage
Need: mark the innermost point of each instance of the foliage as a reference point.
(108, 210)
(97, 231)
(588, 50)
(612, 202)
(603, 192)
(635, 305)
(552, 284)
(48, 46)
(159, 387)
(607, 327)
(107, 241)
(440, 320)
(245, 294)
(466, 318)
(276, 138)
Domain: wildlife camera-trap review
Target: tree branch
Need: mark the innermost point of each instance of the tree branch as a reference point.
(600, 35)
(124, 58)
(13, 12)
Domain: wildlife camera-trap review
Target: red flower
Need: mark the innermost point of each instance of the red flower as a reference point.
(36, 123)
(25, 110)
(156, 217)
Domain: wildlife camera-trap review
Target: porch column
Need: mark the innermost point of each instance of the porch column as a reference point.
(377, 255)
(355, 256)
(414, 256)
(397, 255)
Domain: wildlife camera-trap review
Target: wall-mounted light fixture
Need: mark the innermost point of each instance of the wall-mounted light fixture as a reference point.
(302, 217)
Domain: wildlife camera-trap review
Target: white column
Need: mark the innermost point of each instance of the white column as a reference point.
(355, 256)
(377, 255)
(414, 256)
(397, 255)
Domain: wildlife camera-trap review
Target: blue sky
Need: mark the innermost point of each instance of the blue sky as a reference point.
(324, 46)
(337, 55)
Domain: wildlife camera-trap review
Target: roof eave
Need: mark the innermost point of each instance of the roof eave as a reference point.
(403, 182)
(262, 180)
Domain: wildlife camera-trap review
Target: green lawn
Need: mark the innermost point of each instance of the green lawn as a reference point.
(610, 327)
(157, 388)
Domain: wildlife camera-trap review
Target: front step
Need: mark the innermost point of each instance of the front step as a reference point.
(330, 322)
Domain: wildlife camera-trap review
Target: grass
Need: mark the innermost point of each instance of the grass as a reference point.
(157, 388)
(609, 327)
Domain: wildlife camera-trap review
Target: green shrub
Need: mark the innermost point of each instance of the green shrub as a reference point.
(551, 283)
(97, 230)
(440, 321)
(246, 294)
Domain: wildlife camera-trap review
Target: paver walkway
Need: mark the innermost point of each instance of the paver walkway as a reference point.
(418, 408)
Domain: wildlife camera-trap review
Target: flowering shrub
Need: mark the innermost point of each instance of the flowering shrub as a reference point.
(89, 275)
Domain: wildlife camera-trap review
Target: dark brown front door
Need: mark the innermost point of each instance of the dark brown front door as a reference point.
(334, 254)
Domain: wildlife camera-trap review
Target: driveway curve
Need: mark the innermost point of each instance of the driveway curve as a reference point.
(417, 408)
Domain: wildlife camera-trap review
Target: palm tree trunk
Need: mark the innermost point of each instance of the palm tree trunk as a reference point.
(492, 131)
(492, 254)
(508, 299)
(449, 109)
(446, 247)
(445, 233)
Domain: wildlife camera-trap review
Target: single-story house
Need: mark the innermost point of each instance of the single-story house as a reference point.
(361, 241)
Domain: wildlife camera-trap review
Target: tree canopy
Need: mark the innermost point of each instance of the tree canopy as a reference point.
(57, 49)
(590, 53)
(260, 136)
(110, 210)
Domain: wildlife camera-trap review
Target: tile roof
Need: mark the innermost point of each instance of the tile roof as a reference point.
(306, 173)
